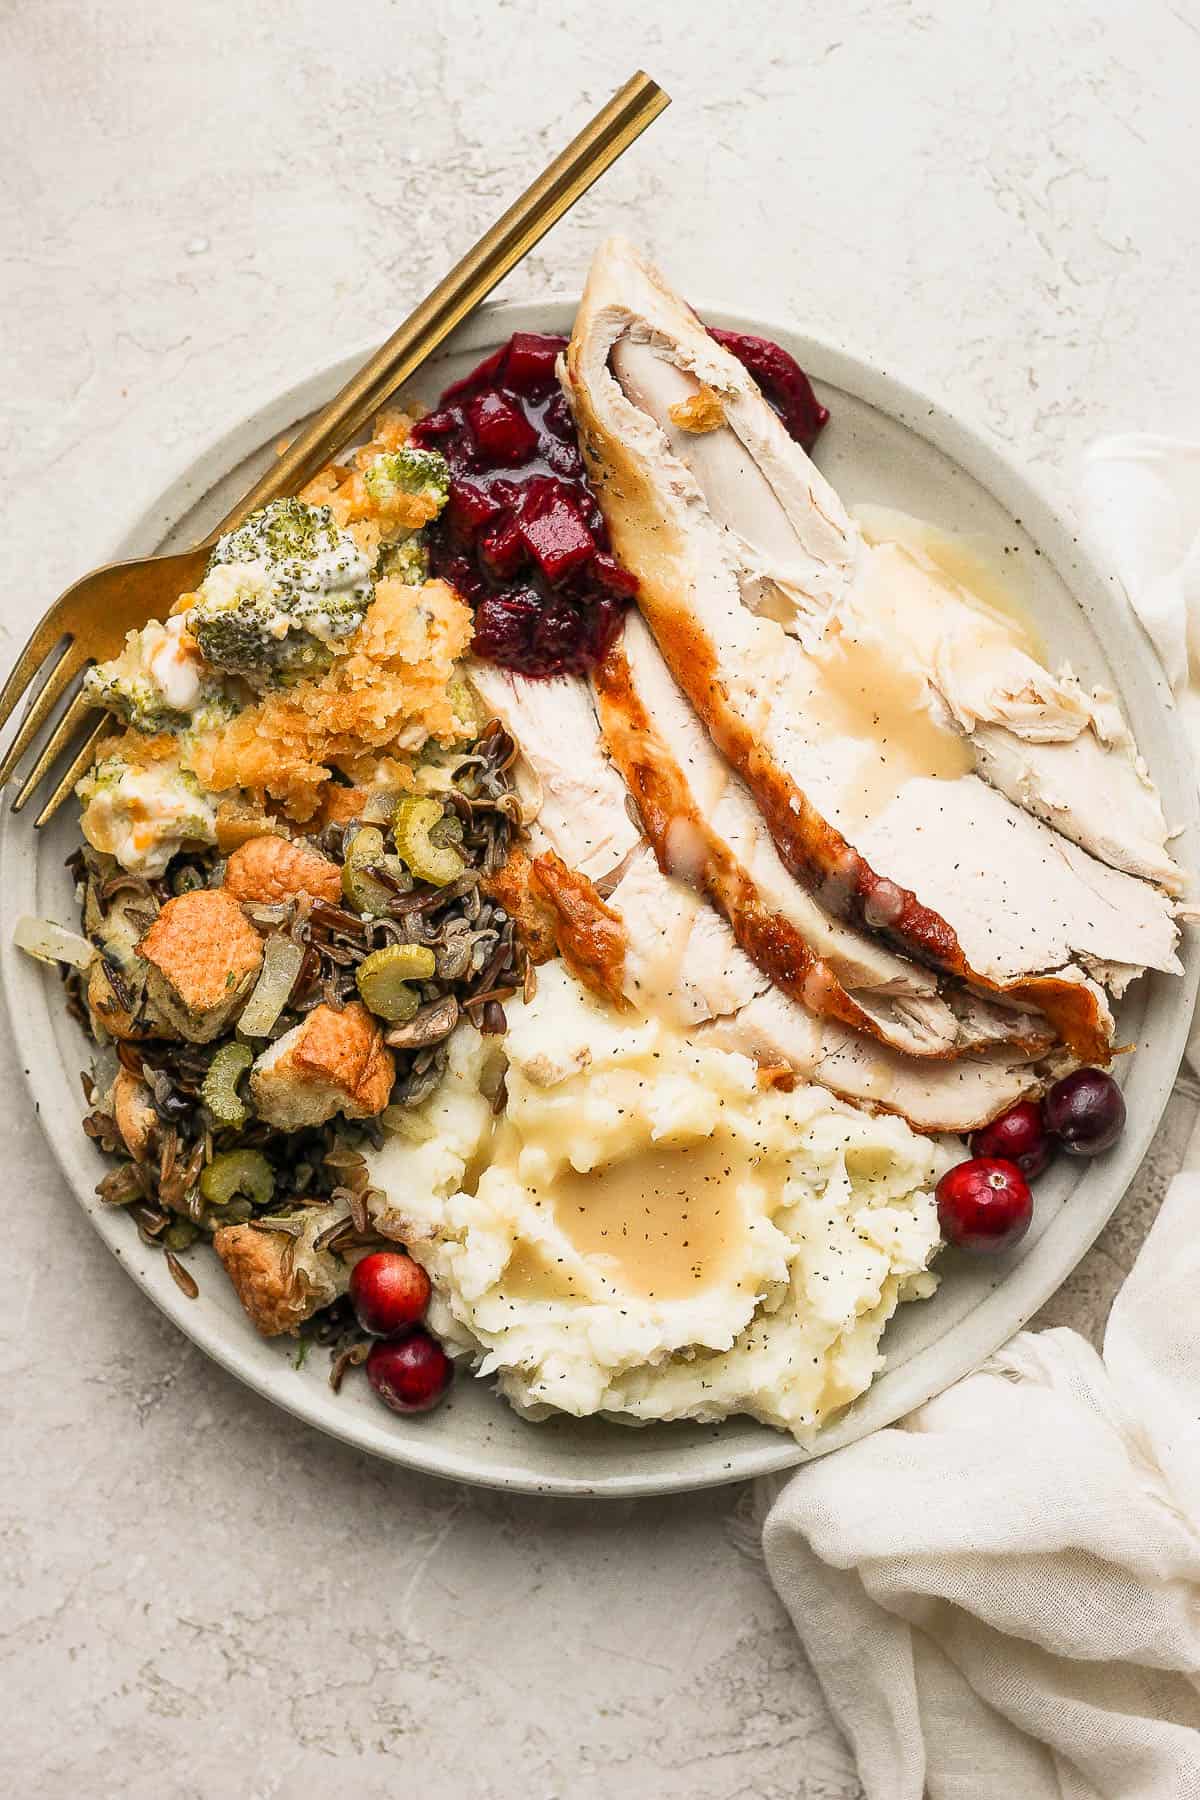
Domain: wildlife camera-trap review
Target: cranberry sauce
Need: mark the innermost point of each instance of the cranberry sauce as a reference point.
(784, 384)
(522, 538)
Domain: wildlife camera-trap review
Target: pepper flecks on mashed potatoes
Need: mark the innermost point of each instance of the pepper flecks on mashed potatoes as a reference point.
(653, 1234)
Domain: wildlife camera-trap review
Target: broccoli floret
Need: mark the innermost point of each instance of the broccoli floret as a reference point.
(407, 560)
(157, 681)
(142, 815)
(419, 472)
(132, 698)
(280, 592)
(283, 530)
(409, 488)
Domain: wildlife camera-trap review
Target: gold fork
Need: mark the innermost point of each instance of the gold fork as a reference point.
(89, 622)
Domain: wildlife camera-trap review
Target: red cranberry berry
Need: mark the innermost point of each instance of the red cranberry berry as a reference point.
(409, 1374)
(389, 1292)
(984, 1204)
(1085, 1111)
(1018, 1136)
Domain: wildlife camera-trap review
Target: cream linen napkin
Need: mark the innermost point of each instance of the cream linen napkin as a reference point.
(1141, 505)
(1001, 1595)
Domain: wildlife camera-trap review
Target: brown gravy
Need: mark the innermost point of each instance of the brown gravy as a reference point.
(661, 1224)
(873, 696)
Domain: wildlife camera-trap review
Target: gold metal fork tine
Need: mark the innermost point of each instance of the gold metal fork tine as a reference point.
(41, 643)
(101, 608)
(52, 691)
(57, 742)
(79, 767)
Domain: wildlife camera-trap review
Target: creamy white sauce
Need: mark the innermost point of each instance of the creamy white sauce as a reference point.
(144, 815)
(173, 664)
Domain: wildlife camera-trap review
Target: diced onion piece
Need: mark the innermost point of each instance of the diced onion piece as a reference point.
(281, 965)
(52, 943)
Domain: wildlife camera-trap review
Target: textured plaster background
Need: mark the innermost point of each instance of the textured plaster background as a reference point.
(198, 202)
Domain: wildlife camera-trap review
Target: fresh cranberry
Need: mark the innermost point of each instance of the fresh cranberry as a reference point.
(984, 1204)
(782, 380)
(1018, 1136)
(1085, 1111)
(409, 1374)
(389, 1292)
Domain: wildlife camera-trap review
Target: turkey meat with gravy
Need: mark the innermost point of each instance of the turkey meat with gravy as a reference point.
(861, 734)
(683, 962)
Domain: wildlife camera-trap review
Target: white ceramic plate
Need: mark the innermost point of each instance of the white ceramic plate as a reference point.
(887, 444)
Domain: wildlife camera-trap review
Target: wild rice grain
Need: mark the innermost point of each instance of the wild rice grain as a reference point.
(183, 1280)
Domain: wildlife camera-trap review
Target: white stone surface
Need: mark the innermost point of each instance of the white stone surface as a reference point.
(198, 202)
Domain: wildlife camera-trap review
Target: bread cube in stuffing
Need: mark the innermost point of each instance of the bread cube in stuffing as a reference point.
(332, 1062)
(281, 1280)
(132, 1107)
(204, 957)
(274, 868)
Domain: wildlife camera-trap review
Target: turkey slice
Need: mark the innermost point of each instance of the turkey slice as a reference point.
(833, 724)
(680, 960)
(683, 962)
(706, 830)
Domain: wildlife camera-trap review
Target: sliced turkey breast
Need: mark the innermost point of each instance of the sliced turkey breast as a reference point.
(562, 775)
(681, 959)
(706, 831)
(1059, 751)
(833, 723)
(1054, 748)
(933, 1096)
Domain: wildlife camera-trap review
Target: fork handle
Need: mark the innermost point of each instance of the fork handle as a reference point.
(613, 129)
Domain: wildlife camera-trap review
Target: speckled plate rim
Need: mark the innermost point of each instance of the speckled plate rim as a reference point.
(1014, 1294)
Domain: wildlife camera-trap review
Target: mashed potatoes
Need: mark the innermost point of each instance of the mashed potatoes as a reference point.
(647, 1233)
